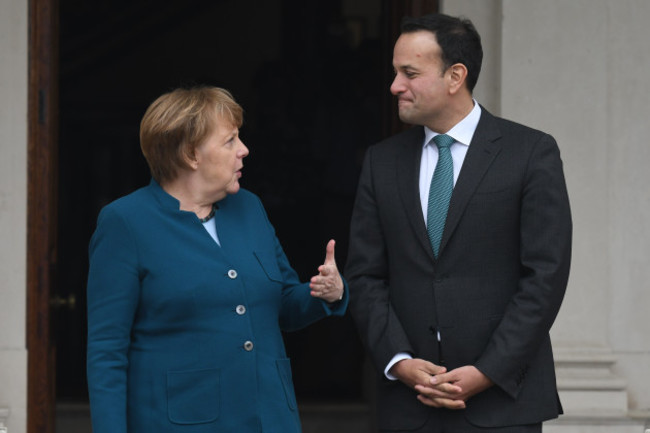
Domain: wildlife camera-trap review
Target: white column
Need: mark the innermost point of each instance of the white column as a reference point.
(13, 214)
(554, 78)
(578, 70)
(629, 197)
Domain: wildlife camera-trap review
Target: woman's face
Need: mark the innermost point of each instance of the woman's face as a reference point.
(219, 160)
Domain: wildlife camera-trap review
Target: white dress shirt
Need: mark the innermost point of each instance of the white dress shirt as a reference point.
(462, 133)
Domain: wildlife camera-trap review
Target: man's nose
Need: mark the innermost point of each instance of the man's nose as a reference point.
(397, 85)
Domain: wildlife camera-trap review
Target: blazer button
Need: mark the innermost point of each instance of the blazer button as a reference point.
(240, 310)
(248, 346)
(232, 274)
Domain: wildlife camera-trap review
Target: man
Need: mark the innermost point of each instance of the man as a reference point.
(455, 306)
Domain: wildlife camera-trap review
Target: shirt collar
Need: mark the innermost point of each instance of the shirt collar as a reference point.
(463, 131)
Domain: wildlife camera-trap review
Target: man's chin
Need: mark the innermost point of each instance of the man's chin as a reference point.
(406, 118)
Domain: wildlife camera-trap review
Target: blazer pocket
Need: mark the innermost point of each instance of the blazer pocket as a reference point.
(269, 264)
(484, 195)
(193, 396)
(284, 370)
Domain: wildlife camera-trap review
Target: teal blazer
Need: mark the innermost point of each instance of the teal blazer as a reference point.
(184, 335)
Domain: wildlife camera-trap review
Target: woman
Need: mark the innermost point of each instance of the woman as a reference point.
(189, 289)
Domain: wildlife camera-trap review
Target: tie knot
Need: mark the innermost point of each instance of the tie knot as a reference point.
(443, 140)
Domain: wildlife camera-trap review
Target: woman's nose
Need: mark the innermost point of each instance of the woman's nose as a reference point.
(243, 151)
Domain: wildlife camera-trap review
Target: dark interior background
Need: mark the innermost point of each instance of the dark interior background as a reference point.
(313, 79)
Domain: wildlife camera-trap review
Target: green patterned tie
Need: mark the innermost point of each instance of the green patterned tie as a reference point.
(442, 184)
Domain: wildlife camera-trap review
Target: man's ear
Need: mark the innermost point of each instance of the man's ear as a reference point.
(457, 74)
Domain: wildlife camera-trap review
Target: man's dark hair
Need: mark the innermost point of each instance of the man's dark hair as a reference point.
(457, 38)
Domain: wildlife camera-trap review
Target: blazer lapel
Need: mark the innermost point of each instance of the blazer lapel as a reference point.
(408, 180)
(482, 151)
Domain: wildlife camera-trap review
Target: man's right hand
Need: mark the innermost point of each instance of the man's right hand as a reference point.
(416, 371)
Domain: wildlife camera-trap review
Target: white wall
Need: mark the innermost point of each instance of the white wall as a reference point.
(555, 78)
(13, 211)
(486, 17)
(579, 70)
(628, 141)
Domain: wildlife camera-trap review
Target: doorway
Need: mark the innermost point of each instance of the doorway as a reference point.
(312, 78)
(308, 76)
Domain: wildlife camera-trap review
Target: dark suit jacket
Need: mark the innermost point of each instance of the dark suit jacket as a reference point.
(170, 314)
(496, 287)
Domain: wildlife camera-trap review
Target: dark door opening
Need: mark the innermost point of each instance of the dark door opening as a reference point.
(310, 76)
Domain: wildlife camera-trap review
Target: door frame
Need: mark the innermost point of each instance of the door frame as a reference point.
(42, 189)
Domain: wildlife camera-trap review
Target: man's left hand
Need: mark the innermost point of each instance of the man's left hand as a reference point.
(468, 381)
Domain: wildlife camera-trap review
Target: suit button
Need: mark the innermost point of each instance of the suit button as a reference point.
(248, 346)
(240, 310)
(232, 274)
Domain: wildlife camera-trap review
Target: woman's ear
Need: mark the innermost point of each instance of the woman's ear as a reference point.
(189, 157)
(457, 76)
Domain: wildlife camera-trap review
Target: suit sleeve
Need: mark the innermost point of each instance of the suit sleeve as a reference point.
(113, 291)
(545, 255)
(368, 275)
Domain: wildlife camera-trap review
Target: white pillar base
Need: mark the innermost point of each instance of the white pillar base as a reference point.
(4, 414)
(587, 385)
(593, 397)
(577, 424)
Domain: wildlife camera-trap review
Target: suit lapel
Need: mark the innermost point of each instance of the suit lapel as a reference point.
(408, 180)
(482, 151)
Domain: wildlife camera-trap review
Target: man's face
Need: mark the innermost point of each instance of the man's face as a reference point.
(420, 84)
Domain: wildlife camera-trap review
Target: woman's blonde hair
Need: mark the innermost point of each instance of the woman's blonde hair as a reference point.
(177, 122)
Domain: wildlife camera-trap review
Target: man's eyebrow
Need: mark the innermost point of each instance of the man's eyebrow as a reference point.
(406, 66)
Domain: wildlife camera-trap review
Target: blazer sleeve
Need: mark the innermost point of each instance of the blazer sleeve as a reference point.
(545, 255)
(113, 291)
(298, 308)
(368, 275)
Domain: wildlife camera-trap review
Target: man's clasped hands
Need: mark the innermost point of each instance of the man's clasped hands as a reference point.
(438, 387)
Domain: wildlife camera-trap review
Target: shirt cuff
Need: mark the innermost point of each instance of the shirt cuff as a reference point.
(397, 358)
